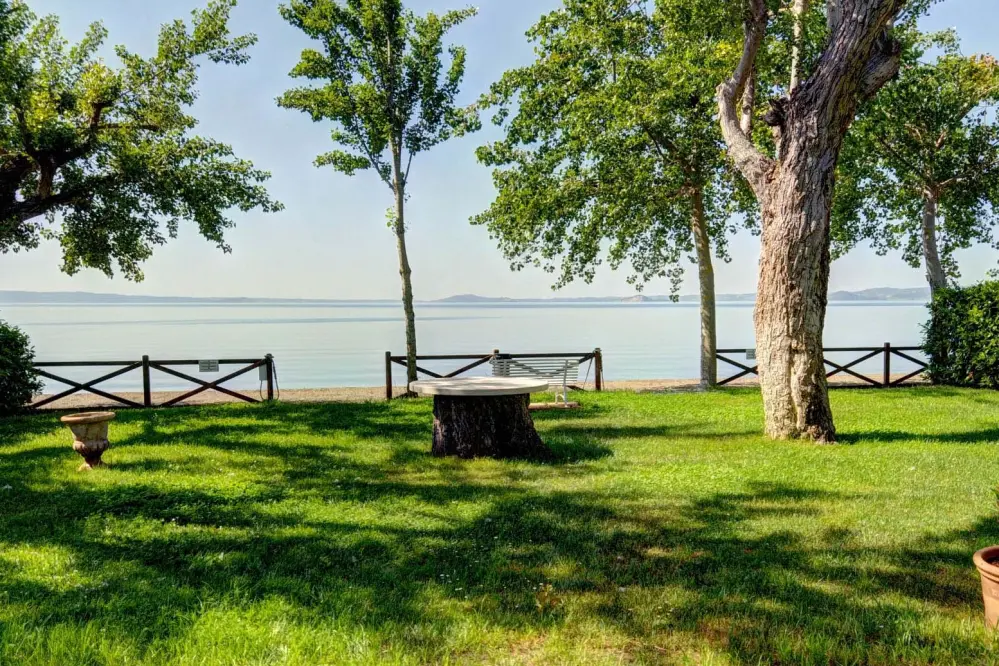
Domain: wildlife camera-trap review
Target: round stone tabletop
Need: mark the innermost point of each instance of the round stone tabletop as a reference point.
(478, 387)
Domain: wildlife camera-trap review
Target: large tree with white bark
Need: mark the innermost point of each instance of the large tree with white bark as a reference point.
(795, 186)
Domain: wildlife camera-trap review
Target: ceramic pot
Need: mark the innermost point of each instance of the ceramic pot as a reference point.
(987, 561)
(90, 436)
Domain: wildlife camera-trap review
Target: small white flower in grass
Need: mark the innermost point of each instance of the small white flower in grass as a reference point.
(7, 487)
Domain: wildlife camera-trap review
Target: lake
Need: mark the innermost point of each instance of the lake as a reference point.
(344, 345)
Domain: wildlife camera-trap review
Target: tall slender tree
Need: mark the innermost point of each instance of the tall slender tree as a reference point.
(104, 160)
(920, 168)
(612, 149)
(795, 187)
(382, 82)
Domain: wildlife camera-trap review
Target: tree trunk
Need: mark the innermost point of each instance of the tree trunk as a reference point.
(706, 283)
(405, 272)
(793, 290)
(493, 427)
(795, 191)
(935, 274)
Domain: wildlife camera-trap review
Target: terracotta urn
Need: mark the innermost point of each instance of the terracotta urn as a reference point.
(987, 561)
(90, 436)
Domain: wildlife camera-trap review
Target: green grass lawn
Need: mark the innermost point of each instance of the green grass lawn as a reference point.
(666, 531)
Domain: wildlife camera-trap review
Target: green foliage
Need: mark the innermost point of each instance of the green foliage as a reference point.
(930, 133)
(381, 82)
(610, 135)
(962, 337)
(109, 152)
(667, 531)
(18, 380)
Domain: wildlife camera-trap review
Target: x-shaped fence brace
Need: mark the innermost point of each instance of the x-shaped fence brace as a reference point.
(146, 365)
(88, 386)
(205, 386)
(837, 368)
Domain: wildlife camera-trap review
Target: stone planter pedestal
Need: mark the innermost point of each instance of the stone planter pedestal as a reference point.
(90, 436)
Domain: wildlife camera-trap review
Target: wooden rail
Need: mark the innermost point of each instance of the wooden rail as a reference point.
(147, 365)
(867, 353)
(596, 356)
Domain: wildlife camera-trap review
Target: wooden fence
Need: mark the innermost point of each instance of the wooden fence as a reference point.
(887, 351)
(148, 366)
(481, 359)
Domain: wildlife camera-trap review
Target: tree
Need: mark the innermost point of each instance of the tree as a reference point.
(102, 159)
(385, 90)
(613, 145)
(795, 187)
(920, 168)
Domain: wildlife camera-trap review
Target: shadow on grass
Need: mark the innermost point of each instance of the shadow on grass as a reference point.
(758, 597)
(986, 436)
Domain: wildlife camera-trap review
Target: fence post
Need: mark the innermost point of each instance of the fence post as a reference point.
(388, 375)
(147, 391)
(269, 358)
(887, 372)
(598, 377)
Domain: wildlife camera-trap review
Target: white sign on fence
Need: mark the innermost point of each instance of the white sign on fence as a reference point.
(208, 366)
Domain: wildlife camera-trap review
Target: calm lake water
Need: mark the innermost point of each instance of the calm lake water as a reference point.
(345, 345)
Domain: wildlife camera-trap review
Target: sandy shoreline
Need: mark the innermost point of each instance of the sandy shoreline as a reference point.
(368, 393)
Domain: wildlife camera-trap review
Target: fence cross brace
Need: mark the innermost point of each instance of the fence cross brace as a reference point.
(88, 386)
(205, 386)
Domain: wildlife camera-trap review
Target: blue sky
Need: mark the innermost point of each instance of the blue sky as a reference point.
(331, 241)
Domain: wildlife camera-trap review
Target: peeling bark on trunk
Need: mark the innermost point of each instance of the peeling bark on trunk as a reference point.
(405, 272)
(935, 274)
(706, 282)
(795, 191)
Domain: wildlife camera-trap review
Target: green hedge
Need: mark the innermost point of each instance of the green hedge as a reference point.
(962, 337)
(18, 380)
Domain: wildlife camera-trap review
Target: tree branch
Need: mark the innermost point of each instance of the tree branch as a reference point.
(799, 10)
(748, 104)
(883, 65)
(750, 161)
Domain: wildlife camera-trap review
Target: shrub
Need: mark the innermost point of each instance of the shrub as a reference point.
(962, 337)
(18, 381)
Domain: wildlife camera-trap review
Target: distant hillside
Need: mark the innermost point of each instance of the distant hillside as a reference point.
(875, 294)
(472, 298)
(918, 294)
(91, 298)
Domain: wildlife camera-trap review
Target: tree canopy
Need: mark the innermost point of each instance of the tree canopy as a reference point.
(103, 159)
(381, 81)
(920, 169)
(609, 135)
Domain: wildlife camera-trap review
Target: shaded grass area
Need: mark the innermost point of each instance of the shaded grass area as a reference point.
(667, 531)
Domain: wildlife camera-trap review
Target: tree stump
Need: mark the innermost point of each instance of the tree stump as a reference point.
(486, 427)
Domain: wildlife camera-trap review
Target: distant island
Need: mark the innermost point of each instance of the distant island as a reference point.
(880, 294)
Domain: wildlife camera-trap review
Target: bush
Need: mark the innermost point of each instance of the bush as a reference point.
(962, 338)
(18, 380)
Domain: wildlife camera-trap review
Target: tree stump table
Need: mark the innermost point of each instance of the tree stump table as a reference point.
(480, 417)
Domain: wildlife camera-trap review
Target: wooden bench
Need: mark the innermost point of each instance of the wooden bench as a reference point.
(560, 373)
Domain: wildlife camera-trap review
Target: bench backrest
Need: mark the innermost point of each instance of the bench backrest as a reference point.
(556, 370)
